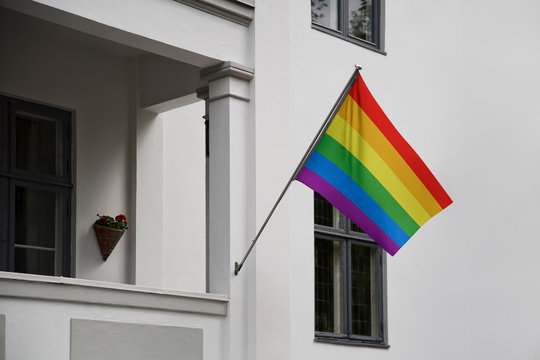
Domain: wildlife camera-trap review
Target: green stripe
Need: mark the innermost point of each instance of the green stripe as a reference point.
(336, 153)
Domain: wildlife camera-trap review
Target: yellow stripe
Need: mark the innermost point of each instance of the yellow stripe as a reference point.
(360, 121)
(342, 132)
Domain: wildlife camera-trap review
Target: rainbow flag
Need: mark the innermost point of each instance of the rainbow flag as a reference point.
(364, 167)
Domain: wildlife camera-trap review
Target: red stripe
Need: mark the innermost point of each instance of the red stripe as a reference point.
(361, 94)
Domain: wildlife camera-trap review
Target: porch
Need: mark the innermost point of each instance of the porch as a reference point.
(138, 145)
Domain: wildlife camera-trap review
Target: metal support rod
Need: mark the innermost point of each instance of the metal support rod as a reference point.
(311, 148)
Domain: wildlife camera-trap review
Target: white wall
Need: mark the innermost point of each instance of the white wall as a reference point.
(38, 65)
(170, 249)
(270, 263)
(460, 83)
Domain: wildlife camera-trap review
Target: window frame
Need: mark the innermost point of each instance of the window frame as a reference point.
(378, 43)
(11, 177)
(349, 237)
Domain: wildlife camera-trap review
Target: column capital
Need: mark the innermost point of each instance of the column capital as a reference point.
(227, 80)
(227, 69)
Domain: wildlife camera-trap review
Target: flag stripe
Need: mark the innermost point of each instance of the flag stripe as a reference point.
(345, 185)
(362, 96)
(336, 153)
(359, 121)
(342, 132)
(350, 210)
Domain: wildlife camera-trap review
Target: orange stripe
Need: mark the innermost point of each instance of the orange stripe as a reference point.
(358, 119)
(362, 96)
(350, 139)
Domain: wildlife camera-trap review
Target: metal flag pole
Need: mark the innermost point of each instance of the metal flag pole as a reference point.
(311, 148)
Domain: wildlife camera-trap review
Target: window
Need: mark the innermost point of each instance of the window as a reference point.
(35, 188)
(349, 298)
(358, 21)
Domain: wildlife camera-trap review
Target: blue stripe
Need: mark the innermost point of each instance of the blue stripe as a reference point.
(330, 172)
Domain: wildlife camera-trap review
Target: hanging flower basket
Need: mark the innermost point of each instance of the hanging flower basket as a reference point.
(107, 239)
(108, 232)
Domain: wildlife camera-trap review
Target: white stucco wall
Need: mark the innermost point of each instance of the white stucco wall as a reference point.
(270, 264)
(170, 249)
(460, 84)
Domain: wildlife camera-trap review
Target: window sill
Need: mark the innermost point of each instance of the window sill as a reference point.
(353, 40)
(350, 342)
(60, 289)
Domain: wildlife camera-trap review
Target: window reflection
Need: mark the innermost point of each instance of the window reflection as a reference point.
(325, 13)
(360, 19)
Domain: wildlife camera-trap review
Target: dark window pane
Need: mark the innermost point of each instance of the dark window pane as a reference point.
(364, 291)
(38, 217)
(361, 19)
(326, 214)
(4, 240)
(2, 140)
(326, 13)
(34, 198)
(328, 286)
(39, 145)
(34, 261)
(356, 228)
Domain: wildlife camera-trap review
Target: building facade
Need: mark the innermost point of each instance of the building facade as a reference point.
(190, 116)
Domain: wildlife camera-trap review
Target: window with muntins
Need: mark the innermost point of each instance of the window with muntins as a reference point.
(358, 21)
(35, 188)
(349, 298)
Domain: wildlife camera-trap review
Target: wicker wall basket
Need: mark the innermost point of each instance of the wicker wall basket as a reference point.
(107, 239)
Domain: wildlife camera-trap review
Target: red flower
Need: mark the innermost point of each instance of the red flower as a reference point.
(121, 218)
(102, 221)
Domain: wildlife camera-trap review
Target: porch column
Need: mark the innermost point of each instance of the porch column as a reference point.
(231, 153)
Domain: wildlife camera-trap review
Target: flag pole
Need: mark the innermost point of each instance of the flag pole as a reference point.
(311, 148)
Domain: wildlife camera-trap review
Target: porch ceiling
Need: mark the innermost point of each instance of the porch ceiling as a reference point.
(62, 33)
(133, 23)
(160, 79)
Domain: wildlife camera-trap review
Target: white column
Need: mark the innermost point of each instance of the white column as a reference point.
(230, 198)
(229, 164)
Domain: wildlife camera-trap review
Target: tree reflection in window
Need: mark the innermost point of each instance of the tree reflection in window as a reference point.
(325, 13)
(360, 19)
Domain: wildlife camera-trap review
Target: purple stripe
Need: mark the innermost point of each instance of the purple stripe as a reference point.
(350, 210)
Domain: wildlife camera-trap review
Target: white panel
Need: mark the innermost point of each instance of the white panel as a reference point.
(107, 340)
